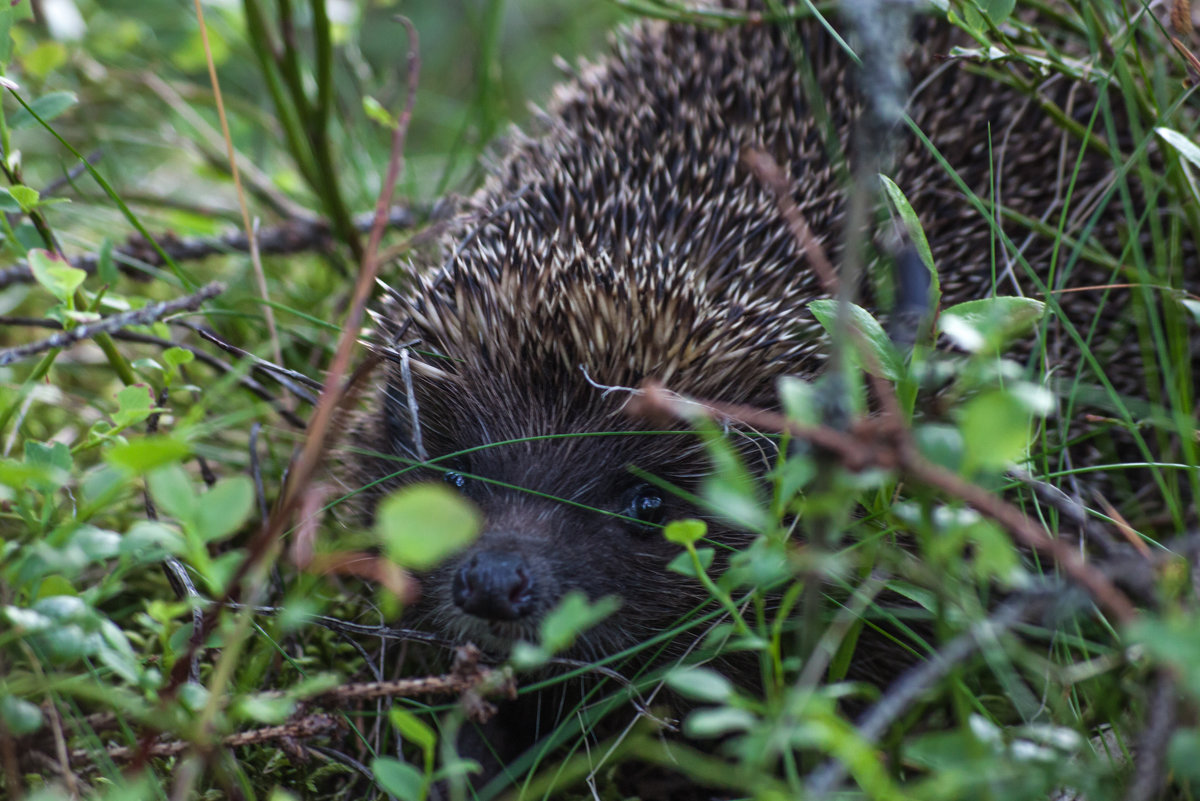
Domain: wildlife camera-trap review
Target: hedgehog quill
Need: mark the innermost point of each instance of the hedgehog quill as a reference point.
(628, 240)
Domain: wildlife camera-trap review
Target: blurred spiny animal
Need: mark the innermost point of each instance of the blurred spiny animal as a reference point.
(628, 240)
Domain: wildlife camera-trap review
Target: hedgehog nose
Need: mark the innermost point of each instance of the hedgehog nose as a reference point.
(494, 585)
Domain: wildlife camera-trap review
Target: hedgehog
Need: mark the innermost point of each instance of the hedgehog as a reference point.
(627, 240)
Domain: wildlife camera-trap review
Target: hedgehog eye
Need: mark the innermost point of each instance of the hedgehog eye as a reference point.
(456, 480)
(646, 506)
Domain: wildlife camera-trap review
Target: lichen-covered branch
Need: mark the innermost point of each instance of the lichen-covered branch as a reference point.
(143, 316)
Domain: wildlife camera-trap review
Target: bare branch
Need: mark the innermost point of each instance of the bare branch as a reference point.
(290, 236)
(109, 325)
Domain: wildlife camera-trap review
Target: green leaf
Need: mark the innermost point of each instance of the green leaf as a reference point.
(265, 708)
(763, 564)
(54, 454)
(799, 399)
(20, 716)
(9, 14)
(58, 277)
(1183, 144)
(26, 196)
(421, 525)
(66, 643)
(997, 10)
(717, 722)
(224, 508)
(24, 475)
(146, 365)
(915, 232)
(971, 18)
(1173, 641)
(63, 607)
(149, 541)
(377, 113)
(683, 564)
(730, 489)
(884, 361)
(940, 444)
(527, 656)
(701, 684)
(994, 555)
(26, 621)
(1183, 754)
(134, 404)
(684, 532)
(455, 766)
(989, 324)
(412, 728)
(117, 654)
(222, 569)
(1193, 307)
(147, 453)
(106, 268)
(80, 316)
(96, 544)
(44, 59)
(573, 616)
(56, 584)
(47, 107)
(8, 203)
(400, 779)
(193, 696)
(995, 430)
(176, 357)
(172, 491)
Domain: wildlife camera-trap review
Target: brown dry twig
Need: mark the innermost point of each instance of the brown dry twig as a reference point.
(290, 236)
(769, 173)
(880, 442)
(301, 728)
(109, 325)
(467, 678)
(1181, 17)
(322, 421)
(323, 418)
(202, 356)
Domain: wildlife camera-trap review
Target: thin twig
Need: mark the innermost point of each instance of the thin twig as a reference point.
(109, 325)
(322, 422)
(769, 173)
(322, 419)
(201, 355)
(307, 726)
(260, 494)
(290, 236)
(289, 379)
(467, 678)
(880, 443)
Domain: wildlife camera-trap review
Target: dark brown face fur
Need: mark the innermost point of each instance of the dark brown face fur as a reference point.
(563, 509)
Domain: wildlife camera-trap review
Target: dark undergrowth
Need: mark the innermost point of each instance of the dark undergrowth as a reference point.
(189, 607)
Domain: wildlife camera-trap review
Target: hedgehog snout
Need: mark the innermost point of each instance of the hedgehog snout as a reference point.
(494, 585)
